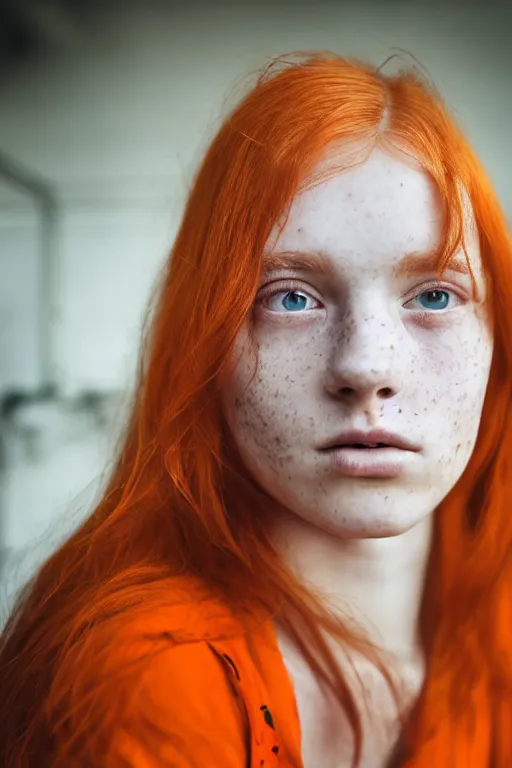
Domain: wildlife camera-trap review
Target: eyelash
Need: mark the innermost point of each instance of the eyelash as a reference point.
(442, 289)
(293, 288)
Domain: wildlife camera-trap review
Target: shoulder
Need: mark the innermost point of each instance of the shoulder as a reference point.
(156, 688)
(186, 712)
(173, 634)
(176, 711)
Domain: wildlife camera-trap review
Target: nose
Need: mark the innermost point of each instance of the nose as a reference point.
(366, 361)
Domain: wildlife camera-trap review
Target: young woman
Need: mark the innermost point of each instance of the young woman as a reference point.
(302, 557)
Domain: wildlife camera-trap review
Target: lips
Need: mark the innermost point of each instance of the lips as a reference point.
(378, 454)
(375, 439)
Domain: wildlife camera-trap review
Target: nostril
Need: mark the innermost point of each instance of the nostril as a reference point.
(353, 393)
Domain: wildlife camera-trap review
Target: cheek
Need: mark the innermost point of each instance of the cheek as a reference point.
(260, 424)
(469, 371)
(458, 387)
(263, 403)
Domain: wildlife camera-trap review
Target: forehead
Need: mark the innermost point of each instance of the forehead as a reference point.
(381, 209)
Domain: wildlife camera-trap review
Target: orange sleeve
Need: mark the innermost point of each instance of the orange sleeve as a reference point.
(184, 715)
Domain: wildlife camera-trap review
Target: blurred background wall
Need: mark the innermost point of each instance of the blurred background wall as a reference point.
(105, 110)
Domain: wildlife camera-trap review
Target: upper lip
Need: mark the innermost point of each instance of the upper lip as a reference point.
(371, 437)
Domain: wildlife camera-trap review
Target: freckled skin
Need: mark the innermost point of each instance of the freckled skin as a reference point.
(361, 355)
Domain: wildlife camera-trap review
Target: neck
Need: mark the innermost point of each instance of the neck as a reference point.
(378, 583)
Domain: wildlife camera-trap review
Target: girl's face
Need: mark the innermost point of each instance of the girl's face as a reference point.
(356, 400)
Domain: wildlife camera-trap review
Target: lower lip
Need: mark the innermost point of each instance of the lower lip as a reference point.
(369, 462)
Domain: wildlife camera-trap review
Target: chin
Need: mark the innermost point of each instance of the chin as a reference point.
(357, 522)
(378, 530)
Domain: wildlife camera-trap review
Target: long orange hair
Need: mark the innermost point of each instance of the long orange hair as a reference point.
(179, 502)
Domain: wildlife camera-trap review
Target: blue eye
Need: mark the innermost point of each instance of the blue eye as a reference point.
(434, 299)
(290, 301)
(294, 301)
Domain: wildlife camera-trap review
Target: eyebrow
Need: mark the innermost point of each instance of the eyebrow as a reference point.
(317, 262)
(417, 263)
(299, 261)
